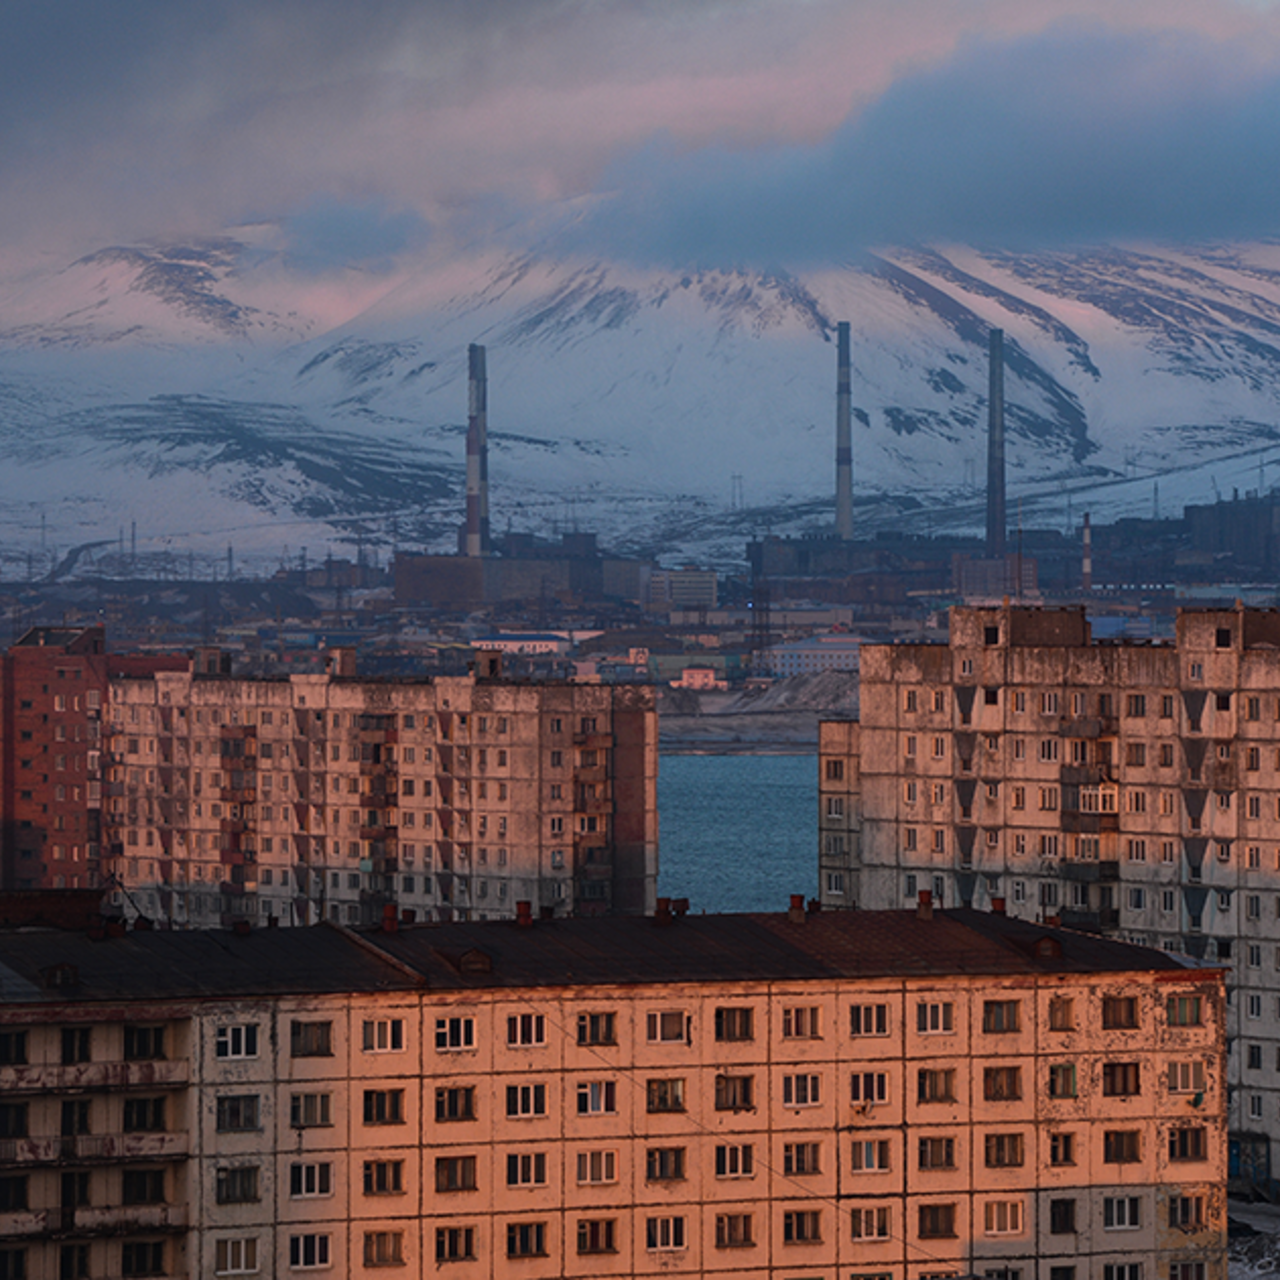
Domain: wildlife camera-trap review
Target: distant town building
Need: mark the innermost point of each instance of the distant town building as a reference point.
(706, 678)
(1126, 788)
(903, 1093)
(818, 653)
(683, 589)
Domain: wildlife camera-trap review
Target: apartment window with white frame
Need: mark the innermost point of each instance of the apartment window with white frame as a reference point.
(308, 1252)
(237, 1256)
(237, 1041)
(801, 1022)
(869, 1156)
(310, 1181)
(664, 1233)
(868, 1087)
(1121, 1213)
(869, 1020)
(1002, 1217)
(735, 1160)
(870, 1223)
(672, 1027)
(597, 1097)
(597, 1167)
(526, 1029)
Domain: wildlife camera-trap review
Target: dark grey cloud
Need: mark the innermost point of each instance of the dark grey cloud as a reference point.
(1076, 135)
(330, 233)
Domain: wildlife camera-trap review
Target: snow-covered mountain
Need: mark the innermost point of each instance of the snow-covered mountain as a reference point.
(205, 392)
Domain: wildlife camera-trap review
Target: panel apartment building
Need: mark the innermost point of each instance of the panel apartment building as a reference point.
(1126, 788)
(900, 1094)
(199, 797)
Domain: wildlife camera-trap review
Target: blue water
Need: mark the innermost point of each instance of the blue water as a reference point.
(738, 832)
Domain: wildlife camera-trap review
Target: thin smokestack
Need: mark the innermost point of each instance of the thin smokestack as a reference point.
(477, 535)
(996, 520)
(1086, 567)
(844, 436)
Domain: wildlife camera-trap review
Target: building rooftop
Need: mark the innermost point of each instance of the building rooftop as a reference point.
(51, 966)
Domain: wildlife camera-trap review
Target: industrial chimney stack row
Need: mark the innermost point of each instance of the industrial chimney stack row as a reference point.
(477, 528)
(996, 520)
(844, 435)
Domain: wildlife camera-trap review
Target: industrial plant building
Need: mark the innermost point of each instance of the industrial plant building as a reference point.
(1128, 789)
(198, 798)
(901, 1094)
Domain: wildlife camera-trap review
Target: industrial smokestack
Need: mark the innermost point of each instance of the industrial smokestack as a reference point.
(996, 520)
(1086, 566)
(844, 436)
(477, 530)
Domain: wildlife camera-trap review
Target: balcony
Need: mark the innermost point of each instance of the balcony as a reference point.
(96, 1221)
(92, 1148)
(91, 1076)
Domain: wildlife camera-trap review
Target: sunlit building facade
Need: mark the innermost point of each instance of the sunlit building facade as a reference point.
(1130, 789)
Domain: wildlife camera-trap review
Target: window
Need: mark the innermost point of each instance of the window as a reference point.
(1004, 1150)
(308, 1252)
(1121, 1146)
(454, 1033)
(1188, 1143)
(597, 1028)
(733, 1230)
(239, 1041)
(664, 1095)
(525, 1170)
(144, 1115)
(871, 1224)
(664, 1233)
(73, 1262)
(237, 1186)
(1125, 1270)
(801, 1023)
(1186, 1271)
(1061, 1014)
(381, 1177)
(142, 1044)
(383, 1249)
(1062, 1080)
(868, 1087)
(664, 1164)
(1120, 1079)
(936, 1085)
(311, 1181)
(455, 1244)
(596, 1235)
(76, 1046)
(668, 1028)
(934, 1017)
(598, 1166)
(1002, 1217)
(937, 1153)
(13, 1194)
(310, 1110)
(1001, 1084)
(802, 1226)
(870, 1156)
(733, 1024)
(142, 1258)
(526, 1028)
(526, 1100)
(237, 1114)
(597, 1097)
(1062, 1148)
(1183, 1011)
(234, 1257)
(999, 1016)
(734, 1161)
(937, 1221)
(869, 1020)
(384, 1106)
(456, 1173)
(13, 1048)
(1186, 1077)
(734, 1093)
(1062, 1217)
(801, 1157)
(801, 1090)
(1119, 1012)
(835, 770)
(457, 1103)
(1121, 1213)
(383, 1035)
(311, 1040)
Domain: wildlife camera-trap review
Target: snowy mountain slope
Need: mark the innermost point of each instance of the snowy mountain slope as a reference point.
(158, 380)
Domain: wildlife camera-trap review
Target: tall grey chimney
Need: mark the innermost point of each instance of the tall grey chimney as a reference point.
(844, 436)
(996, 521)
(477, 529)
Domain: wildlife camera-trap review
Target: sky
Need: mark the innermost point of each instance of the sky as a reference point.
(679, 132)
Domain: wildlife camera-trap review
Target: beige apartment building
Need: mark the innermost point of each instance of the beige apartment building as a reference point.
(334, 797)
(902, 1094)
(1129, 789)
